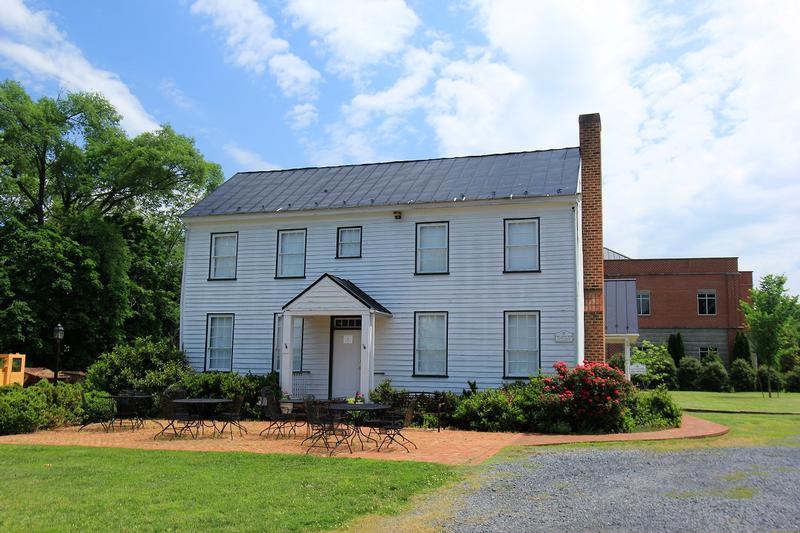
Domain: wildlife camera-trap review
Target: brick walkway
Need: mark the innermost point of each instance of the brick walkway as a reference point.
(447, 446)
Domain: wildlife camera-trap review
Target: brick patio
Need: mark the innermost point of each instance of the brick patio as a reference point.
(448, 446)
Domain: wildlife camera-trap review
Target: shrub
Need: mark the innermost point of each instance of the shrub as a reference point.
(655, 410)
(713, 376)
(489, 410)
(792, 380)
(675, 347)
(661, 368)
(137, 366)
(617, 361)
(742, 375)
(38, 407)
(98, 407)
(775, 378)
(741, 347)
(689, 373)
(229, 385)
(590, 397)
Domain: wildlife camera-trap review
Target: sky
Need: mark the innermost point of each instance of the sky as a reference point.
(699, 100)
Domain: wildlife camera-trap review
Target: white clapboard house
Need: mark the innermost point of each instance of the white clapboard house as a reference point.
(429, 273)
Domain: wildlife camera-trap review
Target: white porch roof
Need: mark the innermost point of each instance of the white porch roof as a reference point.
(332, 295)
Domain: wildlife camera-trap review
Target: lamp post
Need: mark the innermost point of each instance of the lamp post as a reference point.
(58, 335)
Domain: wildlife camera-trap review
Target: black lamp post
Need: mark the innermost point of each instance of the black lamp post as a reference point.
(58, 335)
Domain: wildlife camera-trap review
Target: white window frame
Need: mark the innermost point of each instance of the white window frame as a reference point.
(707, 295)
(210, 320)
(340, 242)
(420, 250)
(705, 351)
(537, 339)
(417, 339)
(297, 343)
(640, 296)
(507, 247)
(214, 257)
(279, 256)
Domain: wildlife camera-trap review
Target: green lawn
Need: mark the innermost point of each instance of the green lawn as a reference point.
(59, 488)
(787, 402)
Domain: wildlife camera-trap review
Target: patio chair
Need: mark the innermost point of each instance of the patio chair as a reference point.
(389, 428)
(179, 417)
(127, 409)
(96, 418)
(278, 420)
(326, 430)
(231, 415)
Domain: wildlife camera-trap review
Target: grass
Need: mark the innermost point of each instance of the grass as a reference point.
(59, 488)
(787, 402)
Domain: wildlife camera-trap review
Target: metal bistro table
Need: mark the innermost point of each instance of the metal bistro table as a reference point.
(203, 410)
(132, 407)
(356, 421)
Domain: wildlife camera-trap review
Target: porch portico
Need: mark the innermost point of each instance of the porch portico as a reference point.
(332, 296)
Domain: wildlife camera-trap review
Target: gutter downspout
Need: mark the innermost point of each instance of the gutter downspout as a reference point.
(579, 303)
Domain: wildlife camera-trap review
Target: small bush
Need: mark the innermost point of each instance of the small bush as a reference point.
(98, 407)
(742, 375)
(230, 385)
(689, 374)
(775, 378)
(617, 361)
(661, 368)
(655, 410)
(713, 376)
(489, 410)
(792, 380)
(41, 406)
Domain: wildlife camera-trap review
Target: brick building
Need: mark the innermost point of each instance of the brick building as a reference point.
(697, 297)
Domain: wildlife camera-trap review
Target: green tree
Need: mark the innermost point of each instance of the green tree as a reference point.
(772, 308)
(675, 347)
(741, 347)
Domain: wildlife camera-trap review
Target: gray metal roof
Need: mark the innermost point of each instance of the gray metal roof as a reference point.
(620, 307)
(484, 177)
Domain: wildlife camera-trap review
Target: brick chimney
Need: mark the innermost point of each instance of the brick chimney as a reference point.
(592, 238)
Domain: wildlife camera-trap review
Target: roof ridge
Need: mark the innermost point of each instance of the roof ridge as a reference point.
(405, 161)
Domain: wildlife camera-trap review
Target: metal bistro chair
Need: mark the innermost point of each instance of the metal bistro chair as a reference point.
(326, 431)
(278, 421)
(128, 409)
(390, 428)
(231, 415)
(179, 417)
(90, 418)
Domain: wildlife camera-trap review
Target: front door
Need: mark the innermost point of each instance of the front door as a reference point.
(346, 361)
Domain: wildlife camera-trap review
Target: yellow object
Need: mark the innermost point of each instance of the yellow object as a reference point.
(12, 368)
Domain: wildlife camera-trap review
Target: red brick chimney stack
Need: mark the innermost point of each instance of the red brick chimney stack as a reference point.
(592, 238)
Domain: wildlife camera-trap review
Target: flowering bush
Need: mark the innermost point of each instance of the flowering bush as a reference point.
(590, 397)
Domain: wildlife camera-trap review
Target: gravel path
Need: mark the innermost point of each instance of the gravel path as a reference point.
(751, 489)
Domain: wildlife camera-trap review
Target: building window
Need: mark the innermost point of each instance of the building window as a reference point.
(348, 242)
(432, 248)
(222, 264)
(219, 343)
(643, 303)
(522, 245)
(707, 302)
(297, 343)
(522, 343)
(291, 254)
(430, 343)
(704, 351)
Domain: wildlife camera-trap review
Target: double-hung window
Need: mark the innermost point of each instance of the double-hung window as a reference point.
(522, 343)
(706, 302)
(643, 303)
(432, 248)
(291, 262)
(348, 242)
(297, 343)
(522, 245)
(704, 351)
(219, 342)
(222, 264)
(430, 343)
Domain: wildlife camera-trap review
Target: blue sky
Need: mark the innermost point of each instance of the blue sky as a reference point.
(698, 99)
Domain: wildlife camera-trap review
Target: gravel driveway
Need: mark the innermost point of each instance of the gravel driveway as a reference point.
(749, 489)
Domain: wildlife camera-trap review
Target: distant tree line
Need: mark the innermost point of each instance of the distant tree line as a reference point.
(90, 235)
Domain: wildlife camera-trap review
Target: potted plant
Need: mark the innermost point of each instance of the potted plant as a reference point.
(286, 404)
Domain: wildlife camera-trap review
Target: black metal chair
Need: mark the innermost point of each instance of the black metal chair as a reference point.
(389, 428)
(326, 430)
(231, 415)
(179, 417)
(90, 417)
(278, 420)
(128, 408)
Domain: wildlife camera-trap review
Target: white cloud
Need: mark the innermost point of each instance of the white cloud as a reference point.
(251, 45)
(174, 94)
(246, 159)
(302, 116)
(33, 45)
(357, 32)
